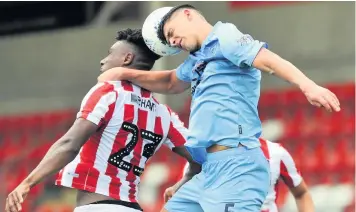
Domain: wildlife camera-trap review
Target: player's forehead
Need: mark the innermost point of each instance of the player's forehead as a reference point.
(116, 45)
(170, 23)
(173, 18)
(119, 46)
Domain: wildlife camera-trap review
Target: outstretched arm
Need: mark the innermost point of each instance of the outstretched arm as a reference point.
(59, 155)
(165, 82)
(62, 151)
(93, 113)
(242, 50)
(270, 62)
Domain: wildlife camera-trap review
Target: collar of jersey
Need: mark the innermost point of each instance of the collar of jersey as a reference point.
(209, 38)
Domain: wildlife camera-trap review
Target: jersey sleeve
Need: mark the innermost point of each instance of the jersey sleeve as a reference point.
(241, 49)
(184, 70)
(98, 104)
(288, 170)
(177, 133)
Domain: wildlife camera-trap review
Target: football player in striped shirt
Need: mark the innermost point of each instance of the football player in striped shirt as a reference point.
(118, 128)
(283, 168)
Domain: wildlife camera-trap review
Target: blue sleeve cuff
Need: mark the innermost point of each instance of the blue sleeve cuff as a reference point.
(181, 76)
(198, 154)
(255, 51)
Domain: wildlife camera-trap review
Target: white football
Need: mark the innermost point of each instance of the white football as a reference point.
(149, 33)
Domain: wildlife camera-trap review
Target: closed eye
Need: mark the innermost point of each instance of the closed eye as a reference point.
(169, 35)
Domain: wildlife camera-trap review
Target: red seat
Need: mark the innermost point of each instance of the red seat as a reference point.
(349, 126)
(298, 156)
(292, 98)
(33, 122)
(10, 148)
(347, 177)
(349, 145)
(309, 161)
(293, 128)
(343, 91)
(332, 160)
(269, 99)
(349, 91)
(3, 125)
(39, 152)
(334, 122)
(13, 125)
(24, 140)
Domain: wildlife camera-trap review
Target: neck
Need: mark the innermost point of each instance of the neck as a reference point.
(204, 32)
(137, 66)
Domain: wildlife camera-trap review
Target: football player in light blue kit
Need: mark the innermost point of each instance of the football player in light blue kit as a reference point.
(223, 71)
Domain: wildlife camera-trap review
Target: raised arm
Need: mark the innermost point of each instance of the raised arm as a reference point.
(245, 52)
(165, 82)
(270, 62)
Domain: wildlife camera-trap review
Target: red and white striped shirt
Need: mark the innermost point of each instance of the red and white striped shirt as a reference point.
(282, 167)
(132, 126)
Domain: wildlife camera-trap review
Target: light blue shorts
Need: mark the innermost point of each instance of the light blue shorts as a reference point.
(233, 180)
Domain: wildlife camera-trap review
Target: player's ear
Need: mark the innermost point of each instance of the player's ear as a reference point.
(188, 14)
(129, 57)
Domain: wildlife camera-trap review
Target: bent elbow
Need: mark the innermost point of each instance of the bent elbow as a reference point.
(175, 85)
(175, 89)
(69, 145)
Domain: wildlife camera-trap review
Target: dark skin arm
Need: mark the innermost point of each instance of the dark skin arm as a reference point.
(62, 152)
(302, 197)
(193, 169)
(165, 82)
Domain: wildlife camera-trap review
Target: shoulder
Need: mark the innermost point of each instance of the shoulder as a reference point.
(275, 149)
(100, 89)
(226, 30)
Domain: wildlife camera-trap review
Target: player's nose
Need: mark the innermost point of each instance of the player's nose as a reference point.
(173, 42)
(102, 62)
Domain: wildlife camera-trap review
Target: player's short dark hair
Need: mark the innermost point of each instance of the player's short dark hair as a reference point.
(160, 32)
(144, 57)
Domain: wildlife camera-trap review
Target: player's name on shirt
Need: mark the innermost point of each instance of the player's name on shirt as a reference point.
(143, 102)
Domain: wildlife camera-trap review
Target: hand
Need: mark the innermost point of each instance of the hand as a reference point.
(16, 198)
(168, 193)
(321, 97)
(113, 74)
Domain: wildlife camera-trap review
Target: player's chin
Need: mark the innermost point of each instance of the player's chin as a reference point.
(192, 49)
(103, 69)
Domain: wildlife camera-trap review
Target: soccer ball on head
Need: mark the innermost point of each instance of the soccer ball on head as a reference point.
(149, 33)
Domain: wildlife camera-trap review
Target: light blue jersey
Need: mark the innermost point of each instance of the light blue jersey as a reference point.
(225, 89)
(225, 93)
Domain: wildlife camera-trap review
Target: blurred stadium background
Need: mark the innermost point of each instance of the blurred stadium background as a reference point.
(49, 58)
